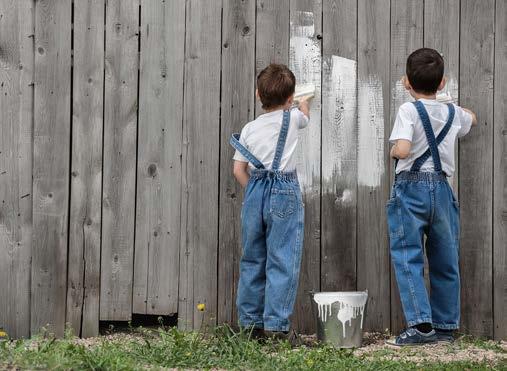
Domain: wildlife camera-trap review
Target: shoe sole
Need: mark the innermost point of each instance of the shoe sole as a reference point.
(409, 344)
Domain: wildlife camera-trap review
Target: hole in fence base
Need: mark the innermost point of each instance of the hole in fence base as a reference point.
(144, 320)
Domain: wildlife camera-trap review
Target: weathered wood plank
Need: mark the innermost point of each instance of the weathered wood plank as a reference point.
(272, 36)
(339, 145)
(476, 162)
(119, 179)
(406, 36)
(373, 161)
(500, 174)
(51, 163)
(305, 60)
(441, 32)
(83, 282)
(156, 265)
(237, 106)
(16, 107)
(201, 114)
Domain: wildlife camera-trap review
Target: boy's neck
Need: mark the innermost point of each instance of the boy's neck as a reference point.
(277, 108)
(417, 95)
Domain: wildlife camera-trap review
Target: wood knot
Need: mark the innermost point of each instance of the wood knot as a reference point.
(245, 31)
(152, 170)
(40, 50)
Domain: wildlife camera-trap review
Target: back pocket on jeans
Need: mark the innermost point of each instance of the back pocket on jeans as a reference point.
(283, 202)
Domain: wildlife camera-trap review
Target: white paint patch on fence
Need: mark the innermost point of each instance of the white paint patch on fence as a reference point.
(370, 156)
(339, 99)
(305, 62)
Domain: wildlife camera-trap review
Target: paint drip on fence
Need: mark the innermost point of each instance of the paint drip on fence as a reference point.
(350, 305)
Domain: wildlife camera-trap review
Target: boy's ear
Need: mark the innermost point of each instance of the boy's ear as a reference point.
(442, 83)
(406, 83)
(290, 101)
(257, 94)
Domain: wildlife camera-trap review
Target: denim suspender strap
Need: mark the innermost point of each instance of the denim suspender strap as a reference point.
(422, 159)
(281, 141)
(234, 141)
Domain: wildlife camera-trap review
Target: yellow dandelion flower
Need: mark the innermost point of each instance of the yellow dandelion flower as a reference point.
(201, 307)
(3, 334)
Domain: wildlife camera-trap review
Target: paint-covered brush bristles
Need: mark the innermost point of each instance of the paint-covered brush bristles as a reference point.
(304, 91)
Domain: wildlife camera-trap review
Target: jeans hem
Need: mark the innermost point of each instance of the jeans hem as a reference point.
(251, 321)
(443, 326)
(276, 325)
(418, 321)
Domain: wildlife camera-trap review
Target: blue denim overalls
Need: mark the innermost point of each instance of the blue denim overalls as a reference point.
(272, 221)
(422, 203)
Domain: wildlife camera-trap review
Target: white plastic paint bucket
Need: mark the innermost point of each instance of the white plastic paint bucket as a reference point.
(340, 317)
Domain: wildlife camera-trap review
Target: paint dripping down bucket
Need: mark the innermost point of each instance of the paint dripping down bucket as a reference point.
(340, 317)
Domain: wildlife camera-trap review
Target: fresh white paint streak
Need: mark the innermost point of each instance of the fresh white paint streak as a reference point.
(305, 62)
(370, 156)
(350, 305)
(339, 115)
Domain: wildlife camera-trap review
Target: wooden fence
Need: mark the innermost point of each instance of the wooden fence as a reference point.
(115, 171)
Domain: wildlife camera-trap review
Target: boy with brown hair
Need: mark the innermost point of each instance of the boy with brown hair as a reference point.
(272, 216)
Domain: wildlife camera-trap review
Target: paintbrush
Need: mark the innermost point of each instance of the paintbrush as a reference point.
(304, 91)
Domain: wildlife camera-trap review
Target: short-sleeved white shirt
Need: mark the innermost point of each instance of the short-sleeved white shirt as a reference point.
(409, 126)
(260, 137)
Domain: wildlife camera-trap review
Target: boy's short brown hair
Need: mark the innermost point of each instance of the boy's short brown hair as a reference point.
(425, 70)
(275, 83)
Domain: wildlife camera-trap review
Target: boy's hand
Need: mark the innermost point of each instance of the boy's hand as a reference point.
(474, 118)
(304, 106)
(240, 172)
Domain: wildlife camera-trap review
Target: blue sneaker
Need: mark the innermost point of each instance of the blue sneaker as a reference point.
(445, 336)
(413, 336)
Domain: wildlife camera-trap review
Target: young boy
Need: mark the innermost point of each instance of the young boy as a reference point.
(272, 216)
(422, 203)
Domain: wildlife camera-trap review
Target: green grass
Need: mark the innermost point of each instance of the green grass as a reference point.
(223, 349)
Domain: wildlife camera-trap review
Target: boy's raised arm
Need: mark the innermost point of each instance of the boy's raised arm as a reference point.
(474, 118)
(304, 106)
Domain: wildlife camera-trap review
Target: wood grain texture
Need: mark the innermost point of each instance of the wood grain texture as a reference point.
(51, 163)
(305, 60)
(373, 162)
(441, 32)
(272, 36)
(119, 179)
(157, 247)
(201, 137)
(476, 164)
(406, 36)
(16, 107)
(339, 145)
(500, 174)
(237, 107)
(83, 281)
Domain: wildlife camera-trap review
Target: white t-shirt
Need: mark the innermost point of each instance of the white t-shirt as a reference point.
(260, 137)
(409, 126)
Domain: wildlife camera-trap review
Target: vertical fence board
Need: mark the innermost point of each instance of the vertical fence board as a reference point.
(476, 92)
(441, 32)
(406, 36)
(51, 163)
(156, 263)
(120, 137)
(500, 174)
(237, 104)
(373, 162)
(305, 60)
(339, 145)
(83, 282)
(272, 36)
(198, 256)
(16, 107)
